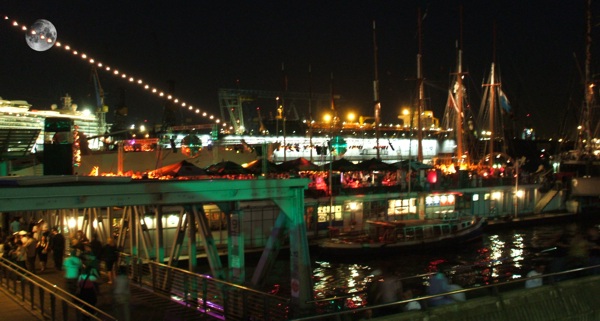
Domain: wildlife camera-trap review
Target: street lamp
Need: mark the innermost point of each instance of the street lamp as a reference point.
(351, 117)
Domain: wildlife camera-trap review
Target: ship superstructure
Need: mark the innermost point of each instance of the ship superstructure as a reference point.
(15, 114)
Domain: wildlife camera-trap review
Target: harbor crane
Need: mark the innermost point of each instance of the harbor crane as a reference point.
(101, 108)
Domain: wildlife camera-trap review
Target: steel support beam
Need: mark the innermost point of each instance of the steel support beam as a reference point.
(271, 250)
(235, 242)
(301, 271)
(209, 243)
(159, 246)
(71, 193)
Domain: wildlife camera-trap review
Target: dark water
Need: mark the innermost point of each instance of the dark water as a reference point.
(501, 255)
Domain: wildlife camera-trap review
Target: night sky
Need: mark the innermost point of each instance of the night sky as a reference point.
(205, 45)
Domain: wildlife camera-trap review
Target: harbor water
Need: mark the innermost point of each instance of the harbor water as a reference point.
(502, 254)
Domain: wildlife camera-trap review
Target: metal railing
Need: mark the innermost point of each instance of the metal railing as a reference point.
(210, 296)
(50, 300)
(491, 289)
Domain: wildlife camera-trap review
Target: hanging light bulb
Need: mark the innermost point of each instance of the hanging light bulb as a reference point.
(115, 72)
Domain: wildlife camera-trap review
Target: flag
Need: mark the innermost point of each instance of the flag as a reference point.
(504, 103)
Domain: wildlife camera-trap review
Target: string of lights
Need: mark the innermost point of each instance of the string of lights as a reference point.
(120, 74)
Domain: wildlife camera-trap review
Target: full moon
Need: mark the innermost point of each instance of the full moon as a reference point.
(41, 36)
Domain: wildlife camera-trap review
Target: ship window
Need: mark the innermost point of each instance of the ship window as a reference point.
(58, 125)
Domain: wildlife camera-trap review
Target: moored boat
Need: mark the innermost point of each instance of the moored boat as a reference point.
(407, 235)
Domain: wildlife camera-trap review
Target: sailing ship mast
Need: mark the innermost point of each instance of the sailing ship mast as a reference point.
(376, 101)
(585, 142)
(490, 114)
(310, 115)
(459, 110)
(421, 93)
(283, 111)
(491, 103)
(455, 113)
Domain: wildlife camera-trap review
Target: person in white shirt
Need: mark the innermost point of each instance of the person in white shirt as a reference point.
(537, 271)
(122, 294)
(412, 305)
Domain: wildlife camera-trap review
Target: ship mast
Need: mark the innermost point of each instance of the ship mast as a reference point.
(586, 144)
(493, 86)
(492, 104)
(459, 101)
(420, 82)
(310, 115)
(459, 111)
(376, 101)
(283, 111)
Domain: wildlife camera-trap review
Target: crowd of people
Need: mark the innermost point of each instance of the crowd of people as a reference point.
(30, 245)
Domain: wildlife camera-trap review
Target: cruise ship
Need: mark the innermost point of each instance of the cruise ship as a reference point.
(18, 114)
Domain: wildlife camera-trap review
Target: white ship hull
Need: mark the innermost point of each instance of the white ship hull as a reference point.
(140, 162)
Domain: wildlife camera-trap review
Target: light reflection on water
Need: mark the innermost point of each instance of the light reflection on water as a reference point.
(499, 256)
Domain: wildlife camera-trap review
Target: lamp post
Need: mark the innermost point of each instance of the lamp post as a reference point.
(517, 193)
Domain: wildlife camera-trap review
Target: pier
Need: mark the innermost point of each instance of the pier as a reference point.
(158, 282)
(65, 198)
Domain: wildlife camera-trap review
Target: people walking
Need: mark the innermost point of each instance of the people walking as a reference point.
(79, 242)
(57, 245)
(110, 254)
(87, 289)
(122, 295)
(31, 249)
(42, 252)
(96, 247)
(72, 265)
(20, 254)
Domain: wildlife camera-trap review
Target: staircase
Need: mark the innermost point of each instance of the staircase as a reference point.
(545, 200)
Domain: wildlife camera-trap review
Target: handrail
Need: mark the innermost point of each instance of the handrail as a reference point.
(424, 298)
(8, 268)
(203, 276)
(205, 293)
